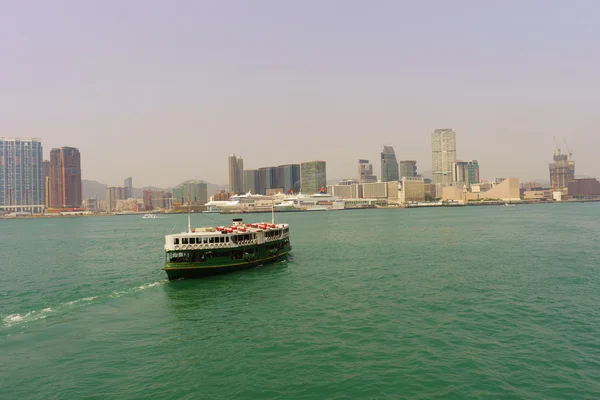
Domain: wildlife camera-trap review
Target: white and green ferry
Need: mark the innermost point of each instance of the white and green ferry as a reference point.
(208, 251)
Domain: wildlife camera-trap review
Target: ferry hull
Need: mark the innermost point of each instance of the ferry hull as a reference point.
(195, 270)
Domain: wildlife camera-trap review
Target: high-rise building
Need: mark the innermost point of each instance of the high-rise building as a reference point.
(193, 191)
(389, 165)
(251, 181)
(21, 175)
(65, 178)
(155, 199)
(128, 183)
(473, 172)
(287, 177)
(443, 155)
(236, 174)
(562, 170)
(113, 195)
(408, 169)
(266, 179)
(313, 175)
(365, 172)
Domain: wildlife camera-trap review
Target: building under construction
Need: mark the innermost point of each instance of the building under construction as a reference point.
(562, 170)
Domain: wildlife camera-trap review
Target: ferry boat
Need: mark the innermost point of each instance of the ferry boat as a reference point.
(216, 250)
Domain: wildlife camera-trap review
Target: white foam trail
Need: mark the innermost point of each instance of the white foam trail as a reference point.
(35, 315)
(82, 300)
(30, 316)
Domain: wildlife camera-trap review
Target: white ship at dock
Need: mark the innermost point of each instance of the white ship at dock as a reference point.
(283, 203)
(313, 202)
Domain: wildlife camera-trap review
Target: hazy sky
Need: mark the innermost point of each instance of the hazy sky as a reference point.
(166, 90)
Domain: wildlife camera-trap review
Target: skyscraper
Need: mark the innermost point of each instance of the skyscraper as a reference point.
(365, 172)
(389, 165)
(562, 170)
(21, 175)
(193, 191)
(313, 175)
(408, 169)
(128, 183)
(251, 181)
(65, 178)
(473, 172)
(443, 154)
(236, 174)
(114, 194)
(266, 179)
(287, 177)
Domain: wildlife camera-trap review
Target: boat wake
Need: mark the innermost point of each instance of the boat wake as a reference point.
(14, 319)
(30, 316)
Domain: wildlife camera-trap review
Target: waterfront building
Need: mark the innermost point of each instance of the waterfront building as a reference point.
(21, 175)
(130, 204)
(313, 175)
(389, 165)
(157, 199)
(538, 195)
(194, 192)
(266, 179)
(408, 168)
(443, 155)
(346, 191)
(584, 188)
(562, 170)
(128, 183)
(236, 174)
(412, 190)
(377, 190)
(287, 177)
(65, 178)
(114, 194)
(507, 190)
(365, 172)
(251, 181)
(91, 204)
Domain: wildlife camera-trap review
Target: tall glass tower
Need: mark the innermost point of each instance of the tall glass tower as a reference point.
(389, 165)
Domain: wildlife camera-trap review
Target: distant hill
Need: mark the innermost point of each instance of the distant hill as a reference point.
(96, 189)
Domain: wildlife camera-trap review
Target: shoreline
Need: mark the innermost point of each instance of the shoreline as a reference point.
(399, 207)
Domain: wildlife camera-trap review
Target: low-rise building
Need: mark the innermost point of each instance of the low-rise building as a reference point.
(412, 190)
(540, 195)
(377, 190)
(584, 188)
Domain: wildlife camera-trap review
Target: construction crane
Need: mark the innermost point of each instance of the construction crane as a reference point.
(568, 148)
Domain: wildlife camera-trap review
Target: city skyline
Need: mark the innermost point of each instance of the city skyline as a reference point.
(509, 81)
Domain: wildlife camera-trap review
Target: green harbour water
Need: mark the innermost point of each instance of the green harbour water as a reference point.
(470, 302)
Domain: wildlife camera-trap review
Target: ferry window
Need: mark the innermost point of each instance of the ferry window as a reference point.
(204, 240)
(226, 239)
(222, 239)
(192, 240)
(184, 241)
(176, 241)
(211, 240)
